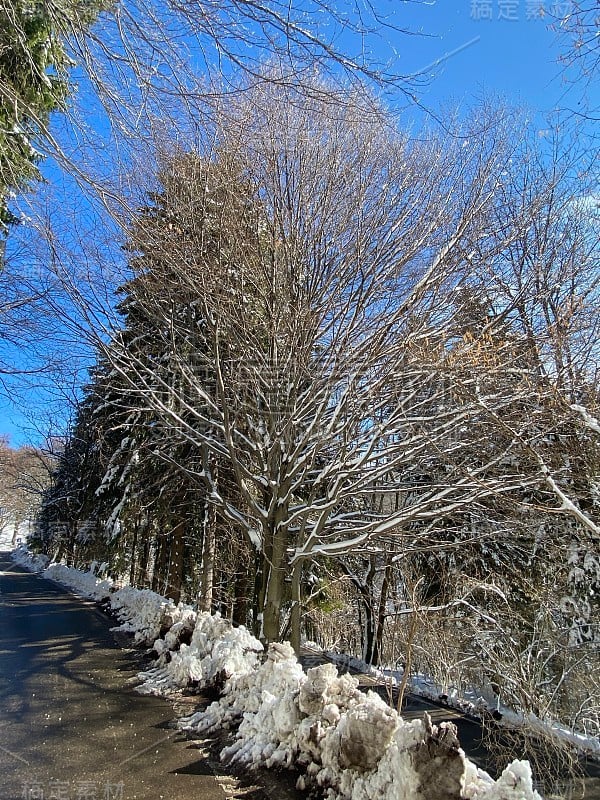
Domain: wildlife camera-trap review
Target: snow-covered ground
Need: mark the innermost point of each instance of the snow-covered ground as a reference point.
(7, 530)
(351, 744)
(6, 536)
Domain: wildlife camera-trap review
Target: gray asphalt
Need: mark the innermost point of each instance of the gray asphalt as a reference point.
(71, 725)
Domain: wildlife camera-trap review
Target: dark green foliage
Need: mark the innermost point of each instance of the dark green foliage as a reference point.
(33, 83)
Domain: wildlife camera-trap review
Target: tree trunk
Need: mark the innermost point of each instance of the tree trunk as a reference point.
(275, 585)
(244, 580)
(381, 615)
(143, 573)
(134, 542)
(240, 599)
(370, 654)
(368, 631)
(177, 546)
(296, 614)
(260, 588)
(160, 562)
(205, 599)
(70, 549)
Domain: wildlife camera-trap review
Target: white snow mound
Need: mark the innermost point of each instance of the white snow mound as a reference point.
(144, 613)
(85, 584)
(29, 561)
(216, 652)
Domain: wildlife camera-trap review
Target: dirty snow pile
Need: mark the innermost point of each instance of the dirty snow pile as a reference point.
(29, 561)
(216, 652)
(85, 584)
(350, 744)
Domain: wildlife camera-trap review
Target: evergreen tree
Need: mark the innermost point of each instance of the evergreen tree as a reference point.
(201, 227)
(33, 83)
(68, 508)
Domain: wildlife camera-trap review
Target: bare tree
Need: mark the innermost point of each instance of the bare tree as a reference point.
(25, 474)
(526, 317)
(147, 67)
(581, 25)
(323, 301)
(180, 55)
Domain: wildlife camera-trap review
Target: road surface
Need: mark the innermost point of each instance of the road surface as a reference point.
(71, 726)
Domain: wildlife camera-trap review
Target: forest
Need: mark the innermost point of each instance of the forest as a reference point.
(344, 379)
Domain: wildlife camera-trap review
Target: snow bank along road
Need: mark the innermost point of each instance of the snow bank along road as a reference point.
(319, 720)
(71, 728)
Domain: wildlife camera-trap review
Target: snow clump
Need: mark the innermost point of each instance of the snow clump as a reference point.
(351, 745)
(30, 561)
(216, 651)
(143, 613)
(85, 584)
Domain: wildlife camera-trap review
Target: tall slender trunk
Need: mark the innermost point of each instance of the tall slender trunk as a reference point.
(70, 549)
(205, 598)
(160, 563)
(133, 560)
(176, 551)
(369, 638)
(296, 614)
(381, 615)
(243, 580)
(368, 631)
(143, 573)
(260, 589)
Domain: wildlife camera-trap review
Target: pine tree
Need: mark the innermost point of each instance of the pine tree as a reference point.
(34, 65)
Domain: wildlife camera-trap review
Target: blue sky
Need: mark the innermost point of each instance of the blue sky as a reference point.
(491, 46)
(469, 48)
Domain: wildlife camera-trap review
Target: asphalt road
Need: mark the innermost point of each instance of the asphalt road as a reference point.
(71, 726)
